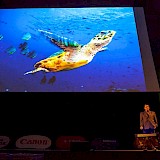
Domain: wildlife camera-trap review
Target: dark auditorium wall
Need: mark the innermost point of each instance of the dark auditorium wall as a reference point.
(152, 15)
(107, 115)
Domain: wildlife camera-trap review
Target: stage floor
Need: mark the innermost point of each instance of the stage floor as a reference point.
(34, 154)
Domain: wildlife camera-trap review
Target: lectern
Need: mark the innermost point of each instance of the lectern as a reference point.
(146, 141)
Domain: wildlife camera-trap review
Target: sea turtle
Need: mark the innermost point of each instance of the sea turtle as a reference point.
(72, 55)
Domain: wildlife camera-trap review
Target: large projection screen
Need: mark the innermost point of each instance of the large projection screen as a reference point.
(57, 50)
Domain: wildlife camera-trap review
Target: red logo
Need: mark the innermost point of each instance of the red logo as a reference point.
(63, 142)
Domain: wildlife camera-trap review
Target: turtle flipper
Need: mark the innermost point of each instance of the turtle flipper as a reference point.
(44, 32)
(104, 48)
(62, 42)
(36, 70)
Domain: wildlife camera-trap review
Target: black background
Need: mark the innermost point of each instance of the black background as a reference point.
(107, 115)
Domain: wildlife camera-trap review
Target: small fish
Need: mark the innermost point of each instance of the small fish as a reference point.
(32, 54)
(1, 36)
(52, 80)
(11, 50)
(23, 46)
(43, 80)
(25, 51)
(26, 36)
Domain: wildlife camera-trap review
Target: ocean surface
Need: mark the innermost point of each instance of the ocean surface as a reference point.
(117, 69)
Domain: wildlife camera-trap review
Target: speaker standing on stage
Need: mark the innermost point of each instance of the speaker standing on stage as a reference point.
(148, 120)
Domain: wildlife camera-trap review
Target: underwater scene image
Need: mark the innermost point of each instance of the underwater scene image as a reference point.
(70, 50)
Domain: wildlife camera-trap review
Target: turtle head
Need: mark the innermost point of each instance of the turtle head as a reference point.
(103, 38)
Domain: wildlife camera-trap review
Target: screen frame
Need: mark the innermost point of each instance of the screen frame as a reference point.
(150, 75)
(151, 79)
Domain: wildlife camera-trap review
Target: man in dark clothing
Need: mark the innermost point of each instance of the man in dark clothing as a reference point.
(148, 120)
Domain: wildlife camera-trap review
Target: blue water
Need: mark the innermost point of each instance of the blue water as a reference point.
(117, 69)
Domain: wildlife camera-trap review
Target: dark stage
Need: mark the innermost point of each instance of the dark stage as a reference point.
(88, 155)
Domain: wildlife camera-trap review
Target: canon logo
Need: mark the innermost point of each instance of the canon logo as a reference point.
(4, 140)
(33, 141)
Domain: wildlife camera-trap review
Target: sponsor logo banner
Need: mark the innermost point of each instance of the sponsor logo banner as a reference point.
(103, 144)
(4, 141)
(33, 141)
(64, 142)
